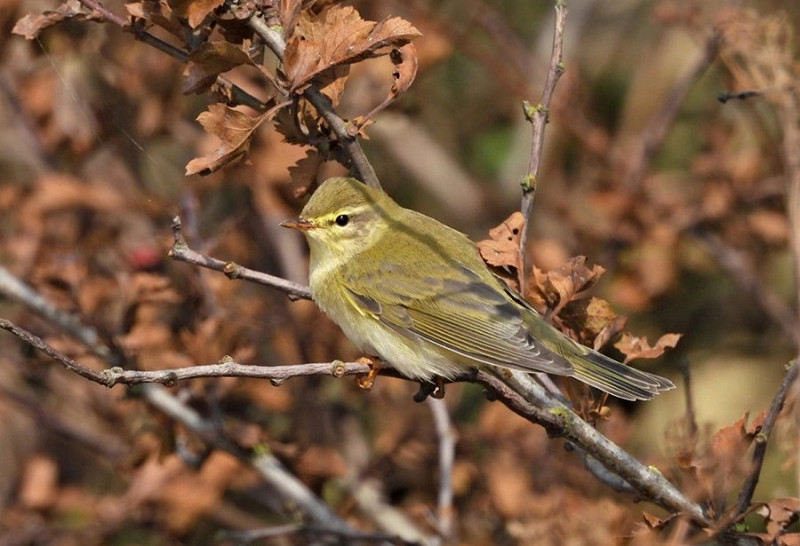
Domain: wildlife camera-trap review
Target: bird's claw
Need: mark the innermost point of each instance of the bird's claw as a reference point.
(367, 381)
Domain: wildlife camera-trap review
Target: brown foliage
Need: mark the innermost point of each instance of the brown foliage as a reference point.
(94, 139)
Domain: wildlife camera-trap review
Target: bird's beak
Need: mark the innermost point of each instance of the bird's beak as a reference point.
(299, 224)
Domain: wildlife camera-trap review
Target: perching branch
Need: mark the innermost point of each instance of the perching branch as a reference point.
(516, 390)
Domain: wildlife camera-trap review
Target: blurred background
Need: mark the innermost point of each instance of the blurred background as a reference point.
(678, 195)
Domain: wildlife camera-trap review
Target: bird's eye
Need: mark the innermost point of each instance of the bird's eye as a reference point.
(342, 220)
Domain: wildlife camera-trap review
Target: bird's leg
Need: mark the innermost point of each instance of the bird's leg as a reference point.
(367, 381)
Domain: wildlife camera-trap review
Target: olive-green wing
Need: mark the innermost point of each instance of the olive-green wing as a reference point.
(460, 312)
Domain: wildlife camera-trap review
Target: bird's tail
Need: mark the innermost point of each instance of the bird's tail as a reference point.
(617, 379)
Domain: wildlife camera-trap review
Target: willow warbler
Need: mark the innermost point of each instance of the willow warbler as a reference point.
(414, 292)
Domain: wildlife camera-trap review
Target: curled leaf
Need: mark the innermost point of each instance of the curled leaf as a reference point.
(558, 287)
(338, 37)
(638, 347)
(195, 11)
(31, 26)
(233, 128)
(208, 62)
(501, 249)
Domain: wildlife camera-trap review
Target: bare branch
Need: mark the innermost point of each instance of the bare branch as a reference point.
(180, 251)
(538, 116)
(517, 390)
(15, 289)
(447, 448)
(65, 361)
(761, 439)
(531, 401)
(267, 465)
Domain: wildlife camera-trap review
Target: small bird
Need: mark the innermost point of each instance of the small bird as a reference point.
(416, 293)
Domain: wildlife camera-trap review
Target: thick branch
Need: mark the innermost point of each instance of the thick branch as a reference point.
(531, 401)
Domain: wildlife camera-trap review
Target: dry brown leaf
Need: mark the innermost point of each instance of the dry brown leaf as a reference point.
(338, 37)
(233, 128)
(38, 487)
(195, 11)
(638, 347)
(572, 278)
(779, 514)
(502, 247)
(405, 64)
(555, 289)
(602, 322)
(30, 26)
(304, 172)
(405, 70)
(208, 62)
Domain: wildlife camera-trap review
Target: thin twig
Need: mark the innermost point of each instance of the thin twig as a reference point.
(180, 251)
(38, 343)
(538, 116)
(363, 168)
(349, 537)
(15, 289)
(288, 487)
(447, 447)
(762, 438)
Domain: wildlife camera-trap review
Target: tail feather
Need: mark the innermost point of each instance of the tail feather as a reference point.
(617, 379)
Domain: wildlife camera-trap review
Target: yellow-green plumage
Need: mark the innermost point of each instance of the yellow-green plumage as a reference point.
(406, 288)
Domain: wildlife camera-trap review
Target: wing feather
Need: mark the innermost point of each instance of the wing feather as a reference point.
(465, 316)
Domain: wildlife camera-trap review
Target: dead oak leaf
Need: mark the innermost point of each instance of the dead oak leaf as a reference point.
(337, 37)
(501, 250)
(234, 129)
(195, 11)
(779, 514)
(304, 172)
(405, 64)
(32, 25)
(288, 12)
(208, 62)
(555, 289)
(727, 449)
(602, 322)
(638, 347)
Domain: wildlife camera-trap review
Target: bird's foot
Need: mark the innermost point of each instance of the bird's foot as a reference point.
(367, 381)
(434, 389)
